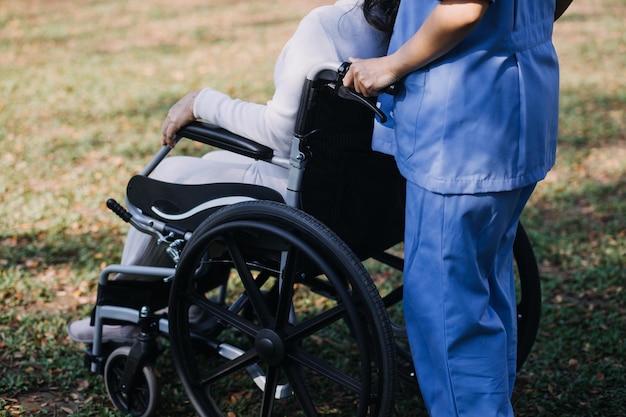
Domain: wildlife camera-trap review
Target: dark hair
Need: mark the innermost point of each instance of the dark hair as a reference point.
(381, 14)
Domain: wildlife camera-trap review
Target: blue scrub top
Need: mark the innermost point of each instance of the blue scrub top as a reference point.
(484, 117)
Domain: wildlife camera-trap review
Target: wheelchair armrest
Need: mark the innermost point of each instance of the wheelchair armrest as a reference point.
(224, 139)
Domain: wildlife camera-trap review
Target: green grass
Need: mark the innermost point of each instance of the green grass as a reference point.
(84, 87)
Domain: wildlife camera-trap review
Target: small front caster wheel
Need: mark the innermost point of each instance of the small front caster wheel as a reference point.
(143, 398)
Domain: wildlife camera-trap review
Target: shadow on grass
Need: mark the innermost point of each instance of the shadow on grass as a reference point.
(577, 364)
(48, 280)
(591, 119)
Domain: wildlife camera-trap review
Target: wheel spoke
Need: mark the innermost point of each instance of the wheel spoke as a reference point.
(285, 302)
(325, 369)
(230, 367)
(224, 314)
(292, 370)
(269, 393)
(314, 324)
(250, 284)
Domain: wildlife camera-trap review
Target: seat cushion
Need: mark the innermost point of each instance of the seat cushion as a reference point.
(185, 206)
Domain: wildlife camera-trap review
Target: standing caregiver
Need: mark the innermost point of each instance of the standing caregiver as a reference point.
(473, 131)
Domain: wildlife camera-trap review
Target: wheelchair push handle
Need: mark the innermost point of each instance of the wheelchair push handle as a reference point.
(344, 92)
(392, 89)
(329, 76)
(349, 94)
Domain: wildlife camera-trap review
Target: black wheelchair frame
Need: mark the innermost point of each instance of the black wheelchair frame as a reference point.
(260, 290)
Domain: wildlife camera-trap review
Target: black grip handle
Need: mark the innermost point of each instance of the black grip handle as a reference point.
(349, 94)
(392, 89)
(117, 208)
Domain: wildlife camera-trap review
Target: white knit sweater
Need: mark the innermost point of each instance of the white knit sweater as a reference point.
(328, 33)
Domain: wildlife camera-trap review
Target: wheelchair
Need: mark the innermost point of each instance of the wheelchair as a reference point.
(270, 310)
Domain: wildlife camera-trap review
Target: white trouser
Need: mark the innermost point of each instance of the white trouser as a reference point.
(214, 167)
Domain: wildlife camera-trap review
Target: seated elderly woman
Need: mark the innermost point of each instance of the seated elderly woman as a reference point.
(333, 32)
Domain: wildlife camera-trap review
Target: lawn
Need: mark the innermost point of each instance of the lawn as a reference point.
(84, 88)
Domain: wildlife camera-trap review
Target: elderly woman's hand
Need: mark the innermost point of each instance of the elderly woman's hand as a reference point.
(178, 116)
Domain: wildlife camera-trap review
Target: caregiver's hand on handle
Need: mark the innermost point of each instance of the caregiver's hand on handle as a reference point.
(369, 77)
(446, 26)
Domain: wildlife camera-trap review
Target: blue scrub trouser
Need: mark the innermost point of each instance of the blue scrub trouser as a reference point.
(459, 298)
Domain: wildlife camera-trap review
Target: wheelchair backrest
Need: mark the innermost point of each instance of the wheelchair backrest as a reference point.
(355, 191)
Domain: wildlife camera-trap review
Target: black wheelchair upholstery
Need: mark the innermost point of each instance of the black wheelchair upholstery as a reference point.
(357, 192)
(185, 206)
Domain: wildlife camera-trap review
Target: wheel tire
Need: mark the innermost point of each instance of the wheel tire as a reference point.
(267, 325)
(529, 303)
(144, 398)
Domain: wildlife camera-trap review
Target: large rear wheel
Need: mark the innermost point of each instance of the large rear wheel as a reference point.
(528, 295)
(297, 329)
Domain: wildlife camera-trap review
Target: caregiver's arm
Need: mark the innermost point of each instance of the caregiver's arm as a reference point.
(446, 26)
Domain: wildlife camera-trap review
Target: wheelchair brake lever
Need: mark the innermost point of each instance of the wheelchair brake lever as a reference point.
(349, 94)
(165, 232)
